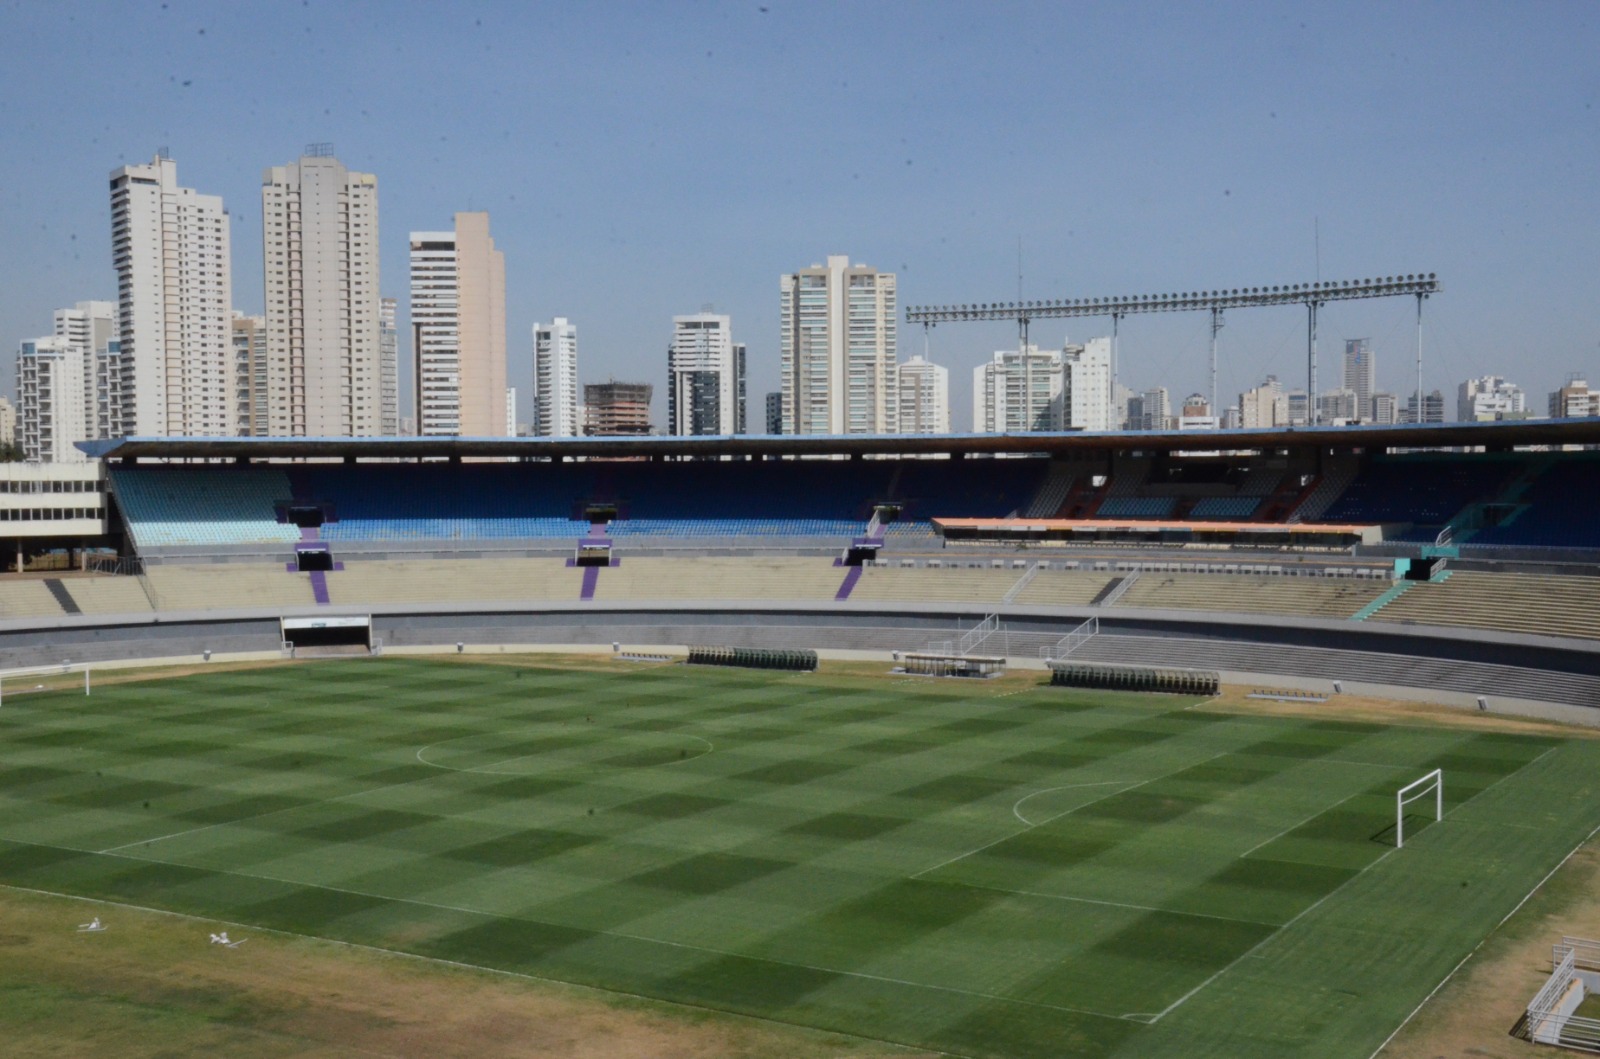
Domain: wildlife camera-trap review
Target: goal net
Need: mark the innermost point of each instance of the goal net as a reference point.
(1432, 783)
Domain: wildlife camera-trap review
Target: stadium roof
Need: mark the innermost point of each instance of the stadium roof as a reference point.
(1426, 436)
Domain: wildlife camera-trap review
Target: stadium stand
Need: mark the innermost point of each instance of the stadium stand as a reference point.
(1225, 507)
(1062, 588)
(27, 599)
(1136, 507)
(1427, 489)
(225, 585)
(453, 580)
(171, 506)
(1558, 506)
(1253, 594)
(713, 578)
(108, 595)
(443, 502)
(1550, 606)
(934, 585)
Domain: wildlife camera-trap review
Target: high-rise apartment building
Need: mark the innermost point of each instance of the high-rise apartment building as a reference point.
(555, 379)
(319, 225)
(617, 409)
(923, 396)
(1490, 398)
(1150, 410)
(1043, 389)
(1432, 408)
(1360, 375)
(705, 376)
(837, 348)
(171, 247)
(8, 422)
(775, 412)
(249, 375)
(1264, 407)
(458, 330)
(91, 328)
(1018, 391)
(1574, 400)
(1385, 409)
(388, 368)
(50, 387)
(1341, 408)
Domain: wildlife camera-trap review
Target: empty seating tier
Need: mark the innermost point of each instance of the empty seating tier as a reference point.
(454, 581)
(108, 595)
(668, 580)
(1253, 594)
(228, 586)
(935, 585)
(27, 599)
(1425, 489)
(179, 506)
(1552, 606)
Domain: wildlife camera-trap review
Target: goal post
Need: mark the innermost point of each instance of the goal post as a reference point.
(59, 669)
(1432, 783)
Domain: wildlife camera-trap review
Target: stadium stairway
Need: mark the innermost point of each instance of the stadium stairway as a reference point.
(1548, 606)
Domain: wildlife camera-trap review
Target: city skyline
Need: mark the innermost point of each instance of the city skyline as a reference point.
(604, 189)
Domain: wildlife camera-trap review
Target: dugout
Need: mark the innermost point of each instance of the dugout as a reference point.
(933, 664)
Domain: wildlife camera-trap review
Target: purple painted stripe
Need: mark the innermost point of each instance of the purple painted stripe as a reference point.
(319, 587)
(591, 577)
(849, 585)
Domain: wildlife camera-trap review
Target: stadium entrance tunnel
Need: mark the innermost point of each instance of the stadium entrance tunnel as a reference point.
(340, 635)
(309, 560)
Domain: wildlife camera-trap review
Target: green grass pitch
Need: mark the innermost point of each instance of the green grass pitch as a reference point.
(1041, 873)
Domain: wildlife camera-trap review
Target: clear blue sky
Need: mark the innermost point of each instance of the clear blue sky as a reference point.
(643, 159)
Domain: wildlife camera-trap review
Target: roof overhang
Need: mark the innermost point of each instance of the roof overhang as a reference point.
(1500, 435)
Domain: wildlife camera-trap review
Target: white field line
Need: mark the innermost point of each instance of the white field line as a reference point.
(1304, 912)
(1075, 808)
(1111, 904)
(1016, 810)
(357, 946)
(489, 770)
(1296, 918)
(607, 933)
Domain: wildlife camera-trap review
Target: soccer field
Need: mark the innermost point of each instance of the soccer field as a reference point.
(1035, 872)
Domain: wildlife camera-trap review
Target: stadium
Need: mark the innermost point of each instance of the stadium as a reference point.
(427, 696)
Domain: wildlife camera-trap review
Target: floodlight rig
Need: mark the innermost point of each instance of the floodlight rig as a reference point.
(1312, 295)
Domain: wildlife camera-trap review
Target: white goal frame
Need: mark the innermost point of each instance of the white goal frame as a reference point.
(40, 671)
(1434, 782)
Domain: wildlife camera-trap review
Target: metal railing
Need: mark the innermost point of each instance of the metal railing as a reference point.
(1072, 641)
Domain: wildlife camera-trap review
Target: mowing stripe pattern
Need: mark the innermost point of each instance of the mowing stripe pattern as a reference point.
(1052, 873)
